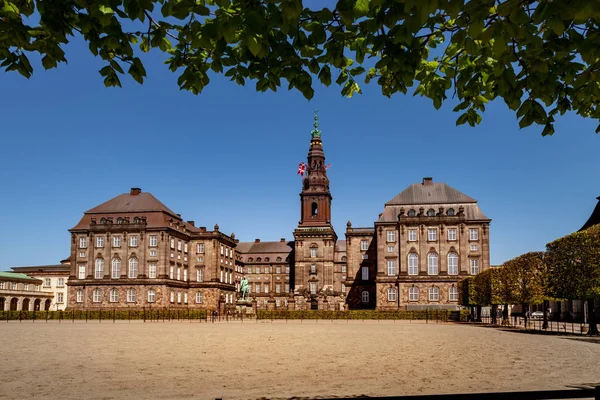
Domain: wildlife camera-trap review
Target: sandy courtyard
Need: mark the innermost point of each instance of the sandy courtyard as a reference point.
(281, 360)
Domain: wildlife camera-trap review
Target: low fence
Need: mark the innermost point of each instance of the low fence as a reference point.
(107, 315)
(420, 315)
(537, 324)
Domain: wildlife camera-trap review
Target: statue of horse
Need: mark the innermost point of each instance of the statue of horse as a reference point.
(244, 289)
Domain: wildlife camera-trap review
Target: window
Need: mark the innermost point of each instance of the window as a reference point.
(133, 241)
(434, 294)
(171, 272)
(278, 288)
(185, 274)
(453, 293)
(344, 269)
(257, 270)
(131, 295)
(47, 282)
(452, 264)
(114, 296)
(198, 297)
(172, 298)
(151, 296)
(313, 252)
(412, 235)
(14, 286)
(267, 270)
(391, 267)
(179, 274)
(200, 248)
(172, 243)
(343, 288)
(222, 251)
(451, 234)
(277, 270)
(82, 242)
(179, 245)
(1, 285)
(365, 273)
(313, 269)
(221, 280)
(179, 297)
(257, 288)
(151, 270)
(411, 213)
(365, 256)
(200, 259)
(116, 268)
(99, 241)
(199, 275)
(267, 288)
(413, 293)
(451, 211)
(286, 287)
(172, 255)
(432, 234)
(133, 267)
(278, 259)
(287, 270)
(185, 299)
(153, 253)
(474, 266)
(82, 254)
(313, 288)
(364, 245)
(391, 249)
(185, 247)
(96, 296)
(116, 241)
(81, 272)
(473, 234)
(431, 212)
(364, 297)
(99, 268)
(79, 297)
(61, 282)
(392, 294)
(413, 264)
(26, 286)
(153, 241)
(391, 236)
(432, 264)
(474, 247)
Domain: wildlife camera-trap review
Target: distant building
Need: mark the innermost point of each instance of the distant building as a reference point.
(133, 252)
(54, 279)
(19, 292)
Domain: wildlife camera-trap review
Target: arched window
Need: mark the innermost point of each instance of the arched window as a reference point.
(116, 268)
(119, 220)
(133, 268)
(431, 212)
(314, 210)
(365, 296)
(267, 259)
(412, 213)
(453, 293)
(99, 268)
(258, 259)
(278, 259)
(131, 296)
(114, 296)
(434, 294)
(413, 264)
(413, 293)
(97, 296)
(451, 211)
(452, 264)
(432, 264)
(103, 221)
(136, 220)
(313, 251)
(392, 294)
(250, 259)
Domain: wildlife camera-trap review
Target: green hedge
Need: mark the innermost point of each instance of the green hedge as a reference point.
(155, 314)
(443, 315)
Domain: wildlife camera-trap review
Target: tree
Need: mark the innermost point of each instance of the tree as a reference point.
(527, 273)
(469, 295)
(539, 56)
(574, 269)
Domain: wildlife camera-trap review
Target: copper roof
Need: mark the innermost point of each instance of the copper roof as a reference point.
(131, 203)
(430, 192)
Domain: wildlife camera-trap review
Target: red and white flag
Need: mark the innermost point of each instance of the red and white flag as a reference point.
(327, 167)
(301, 169)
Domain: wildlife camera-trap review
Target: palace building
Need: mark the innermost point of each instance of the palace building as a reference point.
(134, 252)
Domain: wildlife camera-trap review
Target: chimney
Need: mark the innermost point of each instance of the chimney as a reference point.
(256, 240)
(427, 181)
(282, 240)
(191, 223)
(135, 191)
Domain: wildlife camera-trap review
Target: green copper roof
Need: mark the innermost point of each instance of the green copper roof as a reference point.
(316, 133)
(15, 275)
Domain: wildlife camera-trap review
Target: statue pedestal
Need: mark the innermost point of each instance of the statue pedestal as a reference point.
(244, 307)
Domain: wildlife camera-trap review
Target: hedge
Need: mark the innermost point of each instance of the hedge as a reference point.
(154, 314)
(440, 315)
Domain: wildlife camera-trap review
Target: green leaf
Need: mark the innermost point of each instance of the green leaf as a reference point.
(105, 10)
(361, 7)
(548, 130)
(325, 75)
(48, 62)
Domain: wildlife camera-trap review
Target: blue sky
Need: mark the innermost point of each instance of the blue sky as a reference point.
(229, 156)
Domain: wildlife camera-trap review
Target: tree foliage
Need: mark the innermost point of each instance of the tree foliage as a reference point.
(528, 272)
(539, 56)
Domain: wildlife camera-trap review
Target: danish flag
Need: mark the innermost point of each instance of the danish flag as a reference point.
(301, 169)
(327, 167)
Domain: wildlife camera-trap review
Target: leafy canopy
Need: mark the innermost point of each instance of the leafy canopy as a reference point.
(541, 57)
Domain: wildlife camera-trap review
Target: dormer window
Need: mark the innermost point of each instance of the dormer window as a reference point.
(250, 259)
(119, 220)
(103, 221)
(451, 211)
(278, 259)
(136, 220)
(267, 259)
(412, 213)
(258, 259)
(431, 212)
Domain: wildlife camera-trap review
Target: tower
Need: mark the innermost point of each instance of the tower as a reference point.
(315, 238)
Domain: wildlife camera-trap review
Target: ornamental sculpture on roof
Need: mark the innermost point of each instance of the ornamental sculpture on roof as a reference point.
(316, 133)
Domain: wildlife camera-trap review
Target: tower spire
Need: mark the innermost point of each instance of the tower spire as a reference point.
(316, 132)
